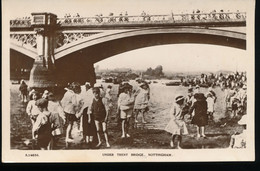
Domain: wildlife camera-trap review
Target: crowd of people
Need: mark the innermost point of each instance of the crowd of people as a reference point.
(88, 108)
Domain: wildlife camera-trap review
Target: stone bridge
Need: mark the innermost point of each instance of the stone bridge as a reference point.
(62, 50)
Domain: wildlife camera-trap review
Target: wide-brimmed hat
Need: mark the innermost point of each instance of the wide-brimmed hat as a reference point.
(190, 90)
(98, 85)
(87, 83)
(42, 103)
(144, 84)
(127, 86)
(179, 98)
(31, 93)
(45, 92)
(209, 94)
(197, 86)
(244, 87)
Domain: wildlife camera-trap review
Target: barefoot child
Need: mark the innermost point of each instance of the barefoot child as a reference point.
(177, 126)
(31, 109)
(126, 103)
(141, 102)
(100, 116)
(71, 103)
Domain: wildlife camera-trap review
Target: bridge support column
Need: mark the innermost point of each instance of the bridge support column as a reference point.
(75, 67)
(42, 74)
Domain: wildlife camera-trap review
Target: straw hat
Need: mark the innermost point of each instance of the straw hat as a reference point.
(45, 92)
(143, 84)
(87, 83)
(127, 86)
(179, 98)
(190, 90)
(244, 87)
(98, 85)
(41, 103)
(209, 94)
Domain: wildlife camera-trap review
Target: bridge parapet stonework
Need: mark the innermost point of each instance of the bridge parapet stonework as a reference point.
(141, 19)
(154, 19)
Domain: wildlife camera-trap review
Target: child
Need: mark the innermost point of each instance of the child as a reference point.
(88, 124)
(141, 102)
(177, 126)
(125, 104)
(57, 118)
(42, 127)
(100, 116)
(31, 109)
(210, 103)
(189, 98)
(200, 117)
(108, 100)
(45, 94)
(239, 140)
(71, 103)
(23, 91)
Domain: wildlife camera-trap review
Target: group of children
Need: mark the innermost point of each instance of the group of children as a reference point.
(236, 100)
(86, 107)
(47, 119)
(198, 106)
(132, 103)
(90, 107)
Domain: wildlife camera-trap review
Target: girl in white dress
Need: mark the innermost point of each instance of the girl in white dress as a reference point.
(177, 126)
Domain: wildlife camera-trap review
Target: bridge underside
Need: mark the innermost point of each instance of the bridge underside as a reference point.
(20, 65)
(107, 49)
(77, 63)
(78, 66)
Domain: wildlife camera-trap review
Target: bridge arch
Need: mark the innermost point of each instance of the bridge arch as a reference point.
(104, 45)
(25, 50)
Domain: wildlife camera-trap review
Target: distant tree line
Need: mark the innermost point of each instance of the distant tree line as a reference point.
(157, 72)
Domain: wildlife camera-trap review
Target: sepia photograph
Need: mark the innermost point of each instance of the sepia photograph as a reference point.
(124, 81)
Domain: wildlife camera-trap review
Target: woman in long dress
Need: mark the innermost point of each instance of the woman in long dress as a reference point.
(200, 118)
(177, 126)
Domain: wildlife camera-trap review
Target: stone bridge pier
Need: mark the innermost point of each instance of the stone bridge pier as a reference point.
(46, 72)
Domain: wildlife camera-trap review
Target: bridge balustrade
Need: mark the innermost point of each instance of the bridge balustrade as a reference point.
(173, 18)
(20, 23)
(142, 19)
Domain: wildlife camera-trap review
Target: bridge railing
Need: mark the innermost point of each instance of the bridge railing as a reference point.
(150, 19)
(20, 23)
(143, 19)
